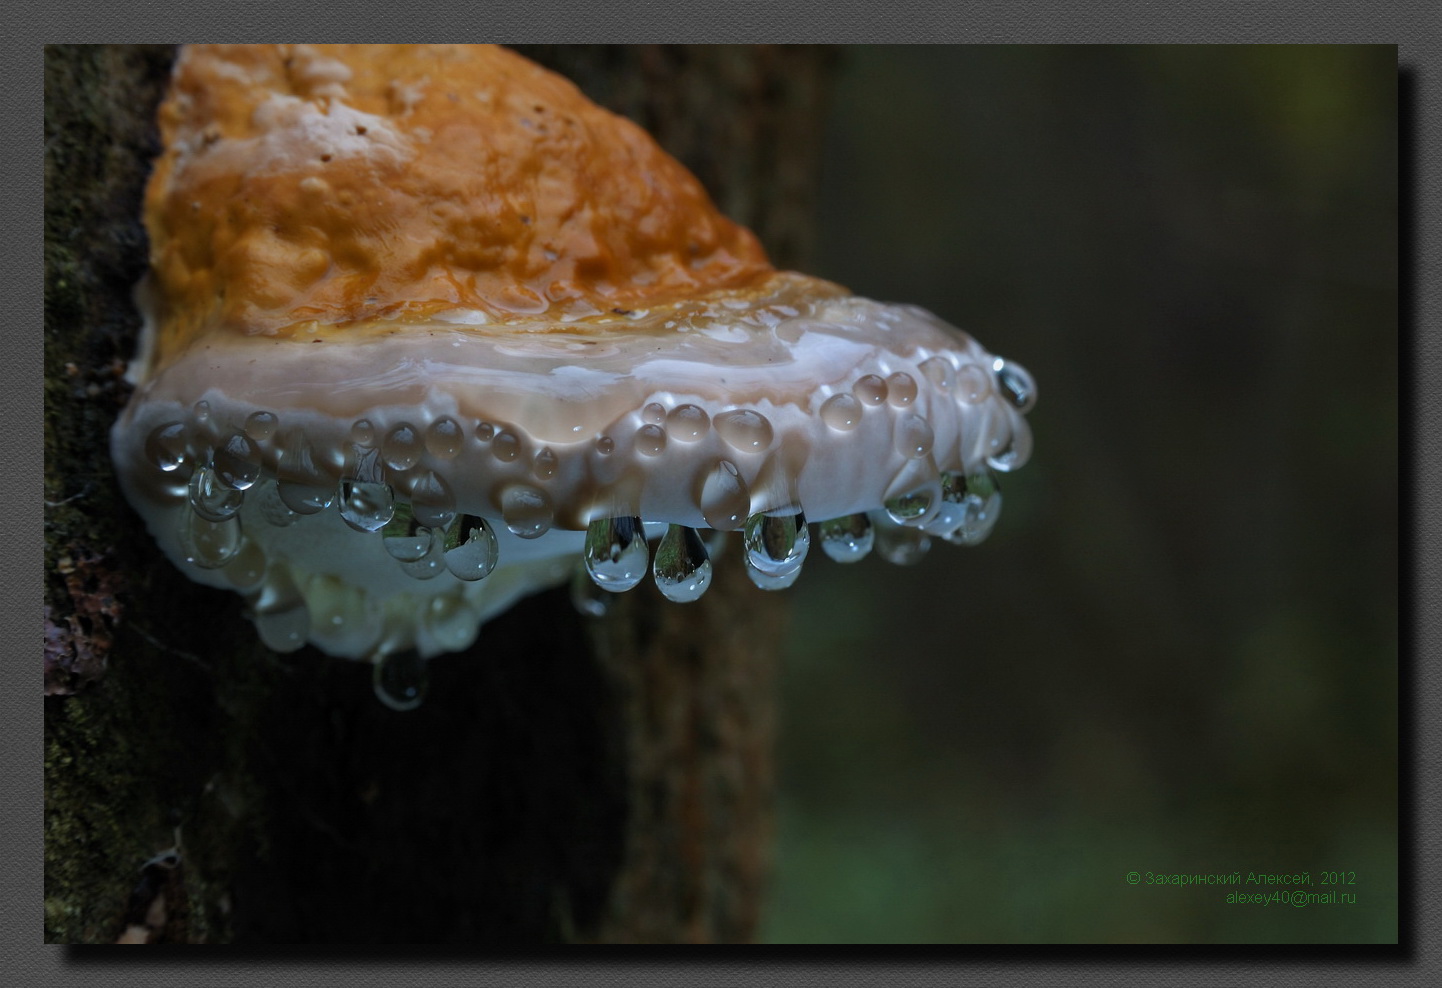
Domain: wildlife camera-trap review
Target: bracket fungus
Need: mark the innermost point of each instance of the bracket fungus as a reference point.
(424, 327)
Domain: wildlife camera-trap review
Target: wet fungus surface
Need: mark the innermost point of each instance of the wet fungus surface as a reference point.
(427, 330)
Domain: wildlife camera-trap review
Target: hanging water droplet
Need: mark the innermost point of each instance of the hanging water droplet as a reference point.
(588, 599)
(848, 539)
(650, 440)
(211, 499)
(526, 511)
(261, 426)
(973, 384)
(776, 544)
(725, 499)
(771, 581)
(237, 462)
(899, 544)
(688, 423)
(401, 679)
(1014, 454)
(444, 438)
(165, 446)
(366, 507)
(306, 499)
(506, 447)
(402, 448)
(841, 412)
(938, 371)
(980, 503)
(745, 430)
(209, 544)
(914, 437)
(281, 617)
(914, 493)
(901, 389)
(452, 622)
(682, 569)
(869, 389)
(432, 501)
(1015, 384)
(616, 554)
(475, 550)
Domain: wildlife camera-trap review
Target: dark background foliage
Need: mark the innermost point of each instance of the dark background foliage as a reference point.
(1178, 653)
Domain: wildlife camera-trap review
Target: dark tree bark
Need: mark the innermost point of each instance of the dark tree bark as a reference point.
(566, 780)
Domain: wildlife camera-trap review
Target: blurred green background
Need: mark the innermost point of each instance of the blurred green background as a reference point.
(1178, 652)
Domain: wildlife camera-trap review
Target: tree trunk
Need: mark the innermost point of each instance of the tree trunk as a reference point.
(569, 779)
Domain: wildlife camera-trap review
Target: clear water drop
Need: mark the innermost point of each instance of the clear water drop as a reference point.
(281, 617)
(444, 438)
(246, 568)
(402, 447)
(365, 506)
(776, 543)
(506, 447)
(605, 445)
(212, 500)
(745, 430)
(272, 508)
(526, 511)
(914, 494)
(165, 446)
(209, 544)
(688, 423)
(485, 432)
(914, 437)
(771, 581)
(543, 465)
(973, 384)
(260, 426)
(654, 414)
(939, 372)
(1015, 384)
(432, 501)
(237, 462)
(841, 412)
(848, 539)
(306, 499)
(650, 440)
(682, 568)
(725, 498)
(901, 389)
(362, 433)
(400, 680)
(980, 502)
(452, 622)
(869, 389)
(1017, 449)
(616, 554)
(473, 554)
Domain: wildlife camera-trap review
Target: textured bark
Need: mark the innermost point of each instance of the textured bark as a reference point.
(567, 780)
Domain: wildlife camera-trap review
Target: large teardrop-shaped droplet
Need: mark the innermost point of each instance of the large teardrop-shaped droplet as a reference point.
(432, 500)
(682, 568)
(616, 554)
(419, 549)
(472, 550)
(980, 504)
(1015, 384)
(401, 679)
(777, 543)
(526, 511)
(914, 494)
(306, 499)
(211, 499)
(847, 540)
(725, 498)
(237, 462)
(366, 507)
(165, 446)
(281, 616)
(209, 544)
(1014, 454)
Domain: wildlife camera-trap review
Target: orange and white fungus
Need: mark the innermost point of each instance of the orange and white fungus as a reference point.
(424, 327)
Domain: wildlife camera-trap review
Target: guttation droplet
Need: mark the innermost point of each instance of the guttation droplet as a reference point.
(909, 507)
(901, 389)
(473, 553)
(841, 412)
(682, 568)
(650, 440)
(211, 499)
(165, 446)
(237, 462)
(848, 539)
(526, 511)
(775, 549)
(402, 448)
(1015, 383)
(914, 437)
(444, 438)
(420, 550)
(210, 544)
(366, 507)
(744, 430)
(305, 499)
(979, 497)
(616, 554)
(869, 389)
(432, 501)
(687, 423)
(261, 425)
(401, 679)
(725, 498)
